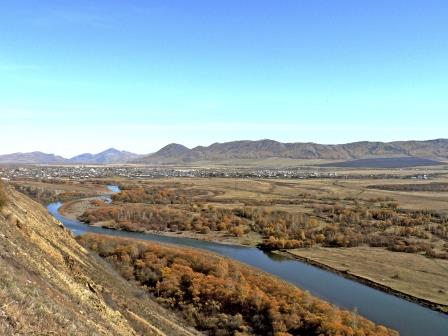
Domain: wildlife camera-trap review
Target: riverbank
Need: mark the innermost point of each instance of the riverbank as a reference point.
(73, 209)
(358, 264)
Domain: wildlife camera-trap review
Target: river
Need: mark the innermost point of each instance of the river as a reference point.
(409, 318)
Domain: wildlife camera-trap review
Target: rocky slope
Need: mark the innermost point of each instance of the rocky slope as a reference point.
(50, 285)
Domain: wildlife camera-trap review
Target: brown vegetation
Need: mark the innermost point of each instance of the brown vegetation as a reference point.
(50, 285)
(158, 195)
(142, 217)
(45, 195)
(287, 213)
(3, 197)
(222, 297)
(385, 226)
(325, 220)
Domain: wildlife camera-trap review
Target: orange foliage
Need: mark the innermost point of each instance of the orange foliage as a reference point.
(223, 297)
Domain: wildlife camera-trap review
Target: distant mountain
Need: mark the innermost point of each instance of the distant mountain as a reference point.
(109, 156)
(32, 158)
(249, 150)
(170, 154)
(264, 149)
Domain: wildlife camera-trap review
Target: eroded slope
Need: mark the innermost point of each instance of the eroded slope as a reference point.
(50, 285)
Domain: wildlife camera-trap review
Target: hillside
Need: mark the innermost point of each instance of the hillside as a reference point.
(264, 149)
(50, 285)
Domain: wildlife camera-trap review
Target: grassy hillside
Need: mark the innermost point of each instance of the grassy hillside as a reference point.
(50, 285)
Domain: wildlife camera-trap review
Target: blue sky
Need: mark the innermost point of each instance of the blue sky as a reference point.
(83, 75)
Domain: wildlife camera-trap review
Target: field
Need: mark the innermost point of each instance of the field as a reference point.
(408, 273)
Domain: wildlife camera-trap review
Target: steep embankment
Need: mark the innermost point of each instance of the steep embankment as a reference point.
(50, 285)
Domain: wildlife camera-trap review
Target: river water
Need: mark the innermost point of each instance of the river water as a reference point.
(408, 318)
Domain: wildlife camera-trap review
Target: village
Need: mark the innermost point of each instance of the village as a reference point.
(40, 172)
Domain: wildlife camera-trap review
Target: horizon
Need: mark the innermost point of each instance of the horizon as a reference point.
(191, 148)
(80, 77)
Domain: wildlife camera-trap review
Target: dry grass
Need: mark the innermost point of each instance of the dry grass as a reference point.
(263, 189)
(415, 200)
(49, 285)
(409, 273)
(3, 197)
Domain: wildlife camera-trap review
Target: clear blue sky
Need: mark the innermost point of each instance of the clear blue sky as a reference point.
(85, 75)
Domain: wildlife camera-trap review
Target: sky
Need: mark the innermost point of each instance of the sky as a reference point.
(83, 76)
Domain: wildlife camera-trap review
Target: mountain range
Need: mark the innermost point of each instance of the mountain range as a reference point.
(109, 156)
(32, 158)
(266, 149)
(248, 150)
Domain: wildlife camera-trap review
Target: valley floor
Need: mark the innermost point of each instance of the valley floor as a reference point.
(411, 275)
